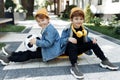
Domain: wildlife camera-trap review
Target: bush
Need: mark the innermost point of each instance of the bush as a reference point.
(117, 30)
(66, 12)
(10, 5)
(113, 22)
(97, 20)
(88, 14)
(1, 45)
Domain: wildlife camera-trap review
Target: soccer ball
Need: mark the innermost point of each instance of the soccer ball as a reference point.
(27, 42)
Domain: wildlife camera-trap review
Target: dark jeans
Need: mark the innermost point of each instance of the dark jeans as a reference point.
(25, 55)
(73, 50)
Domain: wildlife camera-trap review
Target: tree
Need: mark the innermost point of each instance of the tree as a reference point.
(10, 6)
(90, 2)
(48, 3)
(88, 14)
(1, 8)
(29, 6)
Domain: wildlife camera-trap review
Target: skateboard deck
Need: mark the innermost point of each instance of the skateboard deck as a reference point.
(66, 56)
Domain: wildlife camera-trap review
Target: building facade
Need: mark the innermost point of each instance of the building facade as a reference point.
(104, 8)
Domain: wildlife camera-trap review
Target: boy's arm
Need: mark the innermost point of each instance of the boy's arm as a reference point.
(64, 37)
(88, 38)
(49, 39)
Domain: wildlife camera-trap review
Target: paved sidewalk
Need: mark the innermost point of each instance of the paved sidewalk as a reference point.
(57, 69)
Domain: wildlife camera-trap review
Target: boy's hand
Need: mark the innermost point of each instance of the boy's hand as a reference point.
(33, 41)
(94, 40)
(72, 40)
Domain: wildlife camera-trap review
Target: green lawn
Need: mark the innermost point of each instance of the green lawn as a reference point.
(105, 30)
(1, 45)
(12, 28)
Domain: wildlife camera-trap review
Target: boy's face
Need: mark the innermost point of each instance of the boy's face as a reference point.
(42, 22)
(77, 21)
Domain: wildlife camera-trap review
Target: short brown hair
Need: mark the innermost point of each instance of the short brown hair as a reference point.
(41, 16)
(77, 13)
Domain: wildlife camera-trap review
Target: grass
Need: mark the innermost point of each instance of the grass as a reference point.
(1, 45)
(105, 30)
(12, 28)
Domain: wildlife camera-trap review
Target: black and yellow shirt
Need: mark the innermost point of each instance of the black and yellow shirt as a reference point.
(80, 40)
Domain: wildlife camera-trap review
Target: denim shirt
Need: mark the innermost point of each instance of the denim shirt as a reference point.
(49, 43)
(66, 33)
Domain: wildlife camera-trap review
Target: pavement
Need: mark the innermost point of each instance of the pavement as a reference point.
(58, 69)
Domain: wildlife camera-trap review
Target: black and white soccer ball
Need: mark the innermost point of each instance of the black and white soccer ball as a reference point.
(27, 42)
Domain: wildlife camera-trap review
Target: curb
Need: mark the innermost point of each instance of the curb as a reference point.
(105, 36)
(8, 45)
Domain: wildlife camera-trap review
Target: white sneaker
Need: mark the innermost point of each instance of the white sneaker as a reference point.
(76, 72)
(109, 65)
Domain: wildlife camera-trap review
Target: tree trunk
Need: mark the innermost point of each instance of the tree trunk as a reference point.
(90, 2)
(29, 6)
(55, 7)
(82, 4)
(58, 7)
(1, 8)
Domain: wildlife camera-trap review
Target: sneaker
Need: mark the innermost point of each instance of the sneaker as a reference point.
(76, 73)
(6, 52)
(4, 60)
(109, 65)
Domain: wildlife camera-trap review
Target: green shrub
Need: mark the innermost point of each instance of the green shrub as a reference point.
(10, 3)
(113, 22)
(1, 45)
(97, 21)
(66, 12)
(117, 30)
(88, 14)
(105, 30)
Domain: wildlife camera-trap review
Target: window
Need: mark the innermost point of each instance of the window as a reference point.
(99, 2)
(115, 0)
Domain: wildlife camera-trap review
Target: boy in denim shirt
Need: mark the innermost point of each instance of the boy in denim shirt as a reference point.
(73, 40)
(48, 46)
